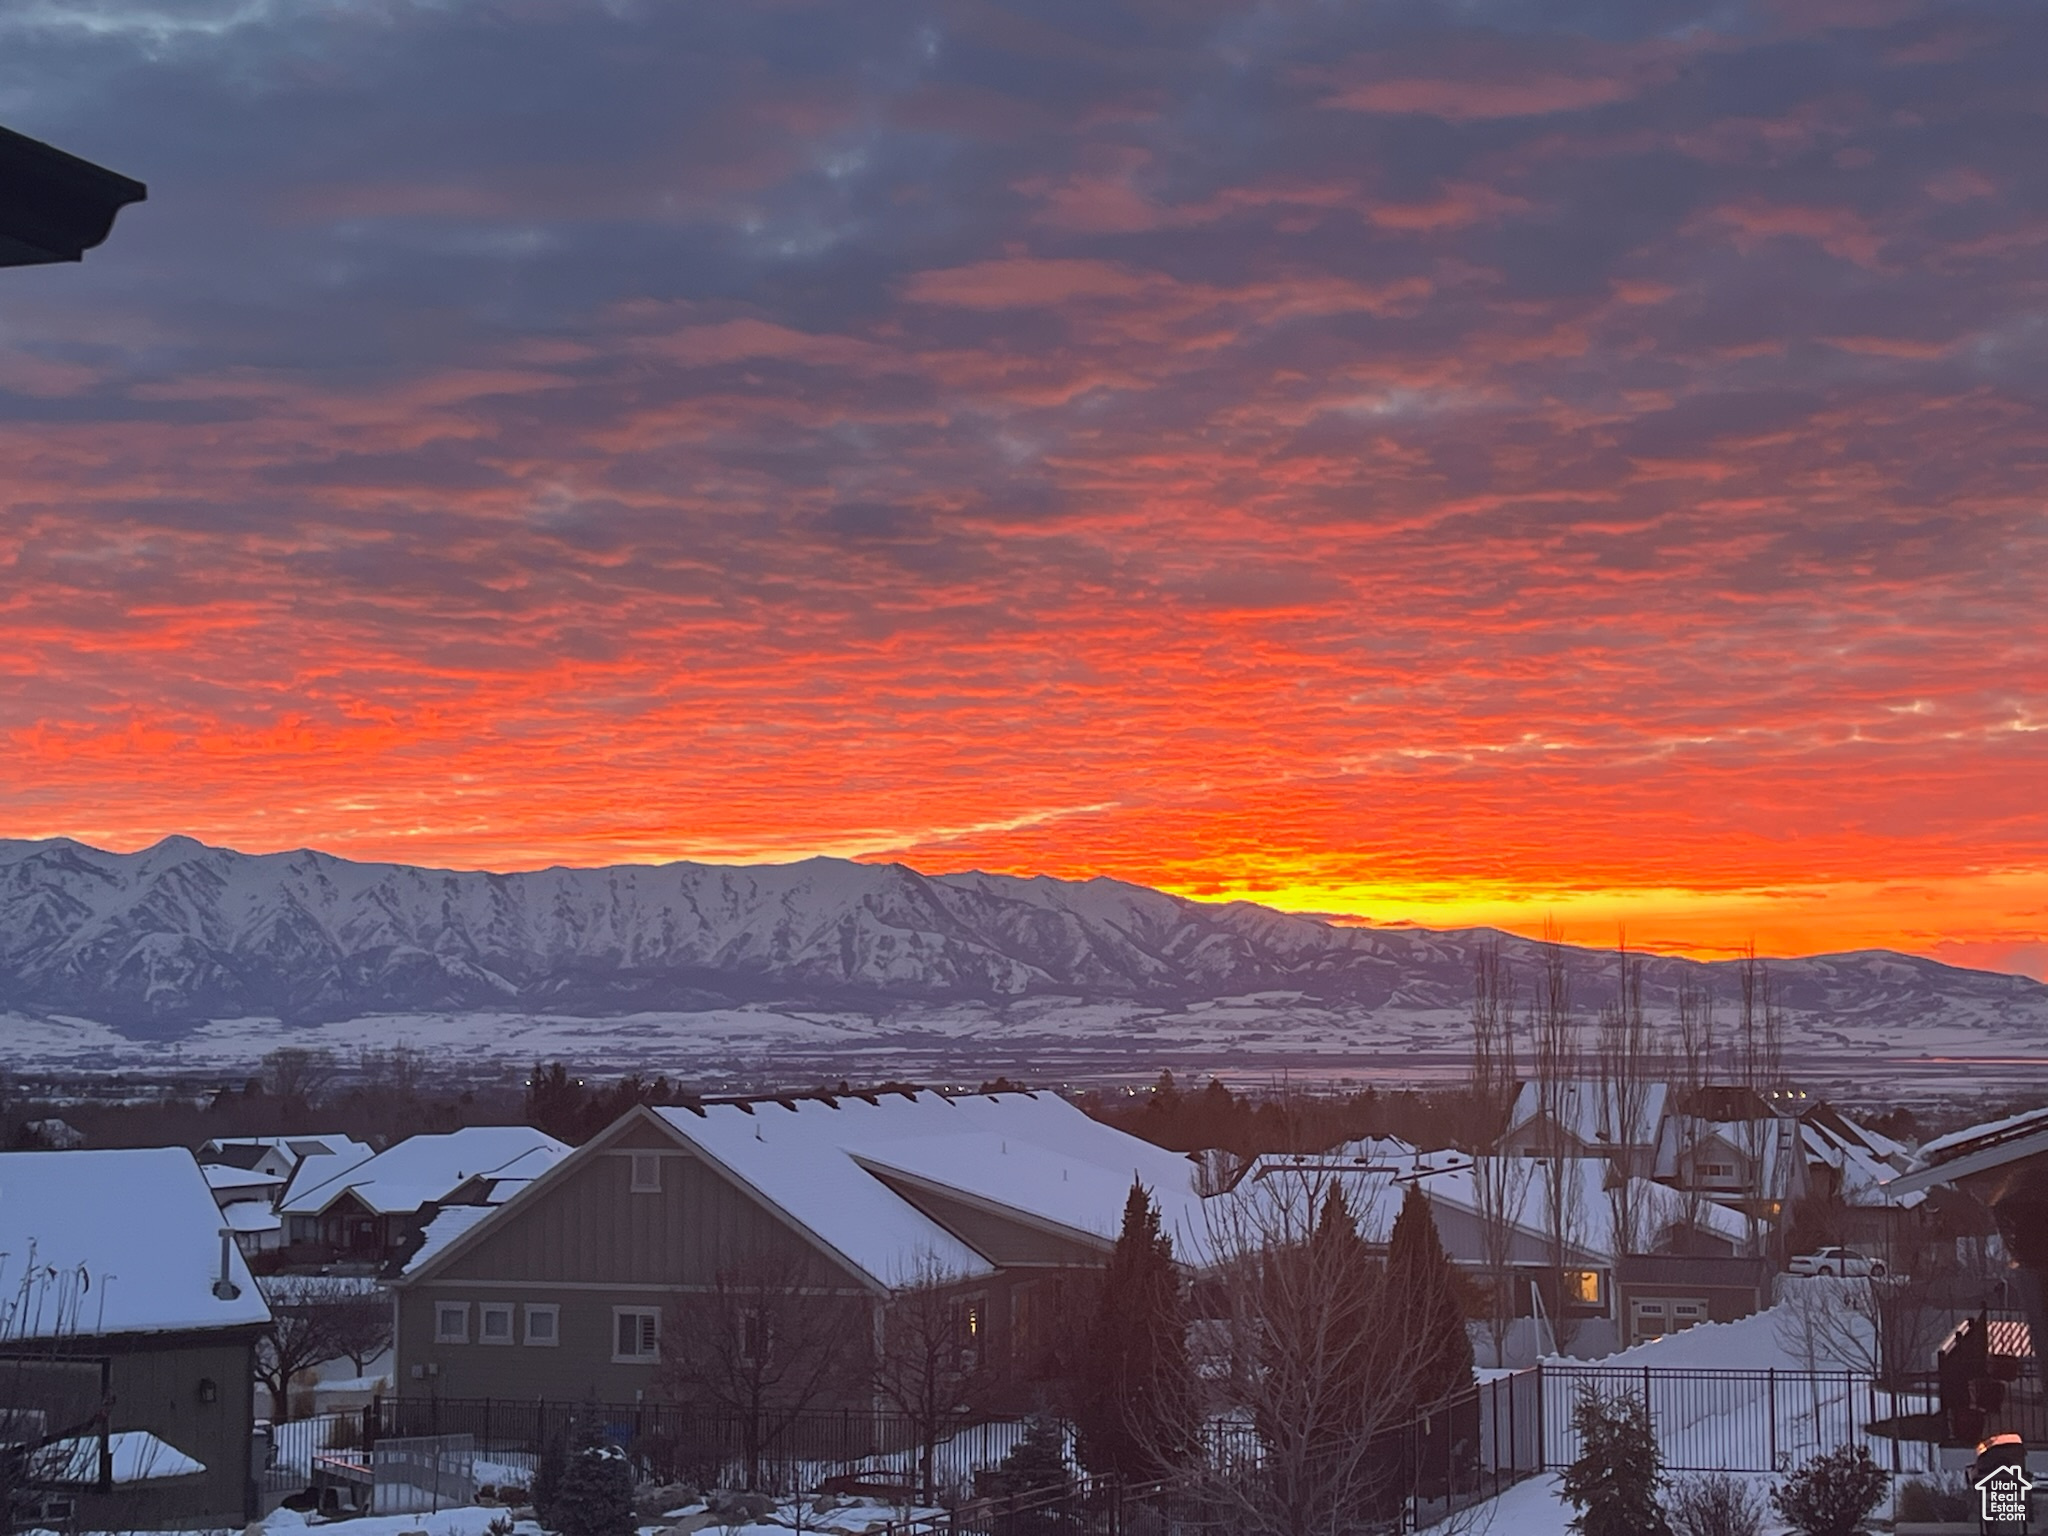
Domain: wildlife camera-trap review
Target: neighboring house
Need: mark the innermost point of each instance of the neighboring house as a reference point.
(1586, 1118)
(247, 1198)
(1660, 1293)
(117, 1292)
(299, 1161)
(564, 1291)
(372, 1212)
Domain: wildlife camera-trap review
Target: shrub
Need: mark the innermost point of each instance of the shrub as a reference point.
(1715, 1505)
(596, 1494)
(1037, 1463)
(1615, 1480)
(1833, 1494)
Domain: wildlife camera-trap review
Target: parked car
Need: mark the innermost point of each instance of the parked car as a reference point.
(1844, 1262)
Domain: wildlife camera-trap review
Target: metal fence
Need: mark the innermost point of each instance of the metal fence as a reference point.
(1738, 1420)
(1468, 1451)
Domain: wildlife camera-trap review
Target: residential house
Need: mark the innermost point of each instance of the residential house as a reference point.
(565, 1291)
(1660, 1293)
(1587, 1118)
(120, 1297)
(368, 1214)
(247, 1198)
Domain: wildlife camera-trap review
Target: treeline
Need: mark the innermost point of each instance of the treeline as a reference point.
(376, 1096)
(1248, 1124)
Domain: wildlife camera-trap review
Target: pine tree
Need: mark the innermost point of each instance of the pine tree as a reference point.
(595, 1496)
(1037, 1463)
(1136, 1394)
(1615, 1480)
(1425, 1289)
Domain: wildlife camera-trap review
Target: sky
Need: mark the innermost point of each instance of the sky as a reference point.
(1483, 461)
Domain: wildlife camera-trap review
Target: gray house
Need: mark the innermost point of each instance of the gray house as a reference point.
(128, 1328)
(565, 1291)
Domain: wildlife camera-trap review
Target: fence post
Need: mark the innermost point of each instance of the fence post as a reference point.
(487, 1426)
(1772, 1386)
(1542, 1414)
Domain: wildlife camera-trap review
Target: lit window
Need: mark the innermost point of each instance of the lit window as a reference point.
(1582, 1287)
(451, 1322)
(636, 1335)
(646, 1173)
(543, 1323)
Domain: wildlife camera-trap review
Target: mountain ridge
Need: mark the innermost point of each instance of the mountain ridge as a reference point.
(159, 941)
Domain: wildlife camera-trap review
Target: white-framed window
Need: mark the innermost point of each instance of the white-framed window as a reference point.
(636, 1335)
(494, 1322)
(646, 1173)
(543, 1323)
(1718, 1170)
(451, 1322)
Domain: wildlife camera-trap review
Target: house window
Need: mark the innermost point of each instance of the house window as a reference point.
(494, 1322)
(451, 1322)
(1582, 1287)
(543, 1323)
(970, 1327)
(754, 1339)
(636, 1335)
(646, 1173)
(1718, 1170)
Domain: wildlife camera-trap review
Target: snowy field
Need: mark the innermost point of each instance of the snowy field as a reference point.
(1043, 1040)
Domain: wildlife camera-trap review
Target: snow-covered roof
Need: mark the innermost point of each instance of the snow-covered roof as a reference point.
(137, 1456)
(1589, 1204)
(1999, 1130)
(423, 1169)
(115, 1241)
(823, 1163)
(222, 1176)
(451, 1223)
(251, 1216)
(1586, 1108)
(1863, 1178)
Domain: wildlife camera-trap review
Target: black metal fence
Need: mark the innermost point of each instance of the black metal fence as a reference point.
(1466, 1452)
(1738, 1420)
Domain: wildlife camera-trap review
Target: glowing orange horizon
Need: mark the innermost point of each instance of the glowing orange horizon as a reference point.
(1401, 468)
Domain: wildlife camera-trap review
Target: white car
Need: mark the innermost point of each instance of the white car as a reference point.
(1844, 1262)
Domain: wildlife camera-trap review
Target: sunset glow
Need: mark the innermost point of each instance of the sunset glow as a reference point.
(1446, 465)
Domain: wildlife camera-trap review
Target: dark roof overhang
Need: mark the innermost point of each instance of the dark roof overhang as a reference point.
(54, 206)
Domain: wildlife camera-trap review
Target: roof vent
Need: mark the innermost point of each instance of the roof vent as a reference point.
(225, 1289)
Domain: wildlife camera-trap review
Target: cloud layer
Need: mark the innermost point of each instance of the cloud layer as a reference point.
(1442, 462)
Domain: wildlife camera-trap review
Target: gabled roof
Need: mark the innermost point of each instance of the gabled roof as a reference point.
(1589, 1205)
(114, 1242)
(826, 1165)
(1587, 1109)
(423, 1169)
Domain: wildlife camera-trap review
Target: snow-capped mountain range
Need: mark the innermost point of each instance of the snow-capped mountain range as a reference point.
(157, 943)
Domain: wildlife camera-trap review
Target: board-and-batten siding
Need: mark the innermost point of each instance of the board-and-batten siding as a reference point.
(593, 1228)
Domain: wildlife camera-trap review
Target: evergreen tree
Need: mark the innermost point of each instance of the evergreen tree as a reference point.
(1343, 1276)
(595, 1495)
(1425, 1291)
(1136, 1396)
(1615, 1480)
(1037, 1464)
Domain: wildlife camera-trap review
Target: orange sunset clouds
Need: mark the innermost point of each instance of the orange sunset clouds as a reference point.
(1444, 464)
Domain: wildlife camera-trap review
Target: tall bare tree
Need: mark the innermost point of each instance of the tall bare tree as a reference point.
(1629, 1067)
(1759, 1065)
(1695, 1062)
(1557, 1074)
(932, 1363)
(770, 1340)
(1317, 1365)
(314, 1320)
(1500, 1185)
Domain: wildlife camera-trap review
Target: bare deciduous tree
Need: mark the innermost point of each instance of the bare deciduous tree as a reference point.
(1317, 1365)
(294, 1073)
(314, 1320)
(1500, 1185)
(932, 1365)
(772, 1339)
(1556, 1072)
(1629, 1066)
